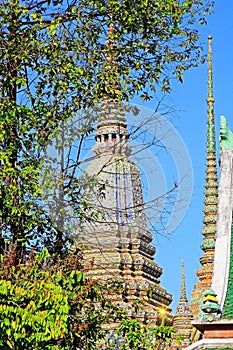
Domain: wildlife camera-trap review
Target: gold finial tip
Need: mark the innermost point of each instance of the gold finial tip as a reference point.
(210, 37)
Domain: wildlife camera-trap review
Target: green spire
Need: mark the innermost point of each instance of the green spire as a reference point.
(205, 273)
(211, 184)
(210, 102)
(210, 70)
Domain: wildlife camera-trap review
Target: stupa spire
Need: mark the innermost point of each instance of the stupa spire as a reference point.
(205, 273)
(210, 103)
(111, 83)
(111, 134)
(183, 288)
(183, 316)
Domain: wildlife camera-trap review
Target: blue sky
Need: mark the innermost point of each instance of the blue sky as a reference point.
(189, 99)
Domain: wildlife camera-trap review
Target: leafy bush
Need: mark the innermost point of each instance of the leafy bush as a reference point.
(47, 305)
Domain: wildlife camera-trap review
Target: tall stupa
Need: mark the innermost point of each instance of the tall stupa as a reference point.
(205, 272)
(117, 242)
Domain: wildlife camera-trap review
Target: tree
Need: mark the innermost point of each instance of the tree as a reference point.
(57, 57)
(54, 61)
(52, 306)
(55, 306)
(131, 334)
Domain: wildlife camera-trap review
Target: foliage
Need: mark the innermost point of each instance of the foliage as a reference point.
(54, 60)
(132, 335)
(44, 306)
(55, 306)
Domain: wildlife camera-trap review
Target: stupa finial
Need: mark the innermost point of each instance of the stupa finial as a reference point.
(111, 72)
(211, 185)
(111, 134)
(210, 69)
(183, 296)
(210, 102)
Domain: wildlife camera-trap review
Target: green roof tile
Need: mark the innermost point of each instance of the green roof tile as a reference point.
(228, 304)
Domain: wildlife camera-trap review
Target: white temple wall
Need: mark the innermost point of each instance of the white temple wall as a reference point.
(224, 224)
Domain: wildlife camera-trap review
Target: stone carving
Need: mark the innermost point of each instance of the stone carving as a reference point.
(210, 306)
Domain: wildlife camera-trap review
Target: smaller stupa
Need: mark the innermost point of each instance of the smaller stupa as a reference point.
(183, 316)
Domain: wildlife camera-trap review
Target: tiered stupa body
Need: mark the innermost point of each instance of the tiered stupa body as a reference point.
(117, 239)
(183, 316)
(205, 273)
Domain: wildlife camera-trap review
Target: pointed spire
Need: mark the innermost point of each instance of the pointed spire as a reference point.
(111, 74)
(211, 184)
(183, 316)
(111, 134)
(210, 68)
(210, 102)
(205, 273)
(183, 296)
(110, 44)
